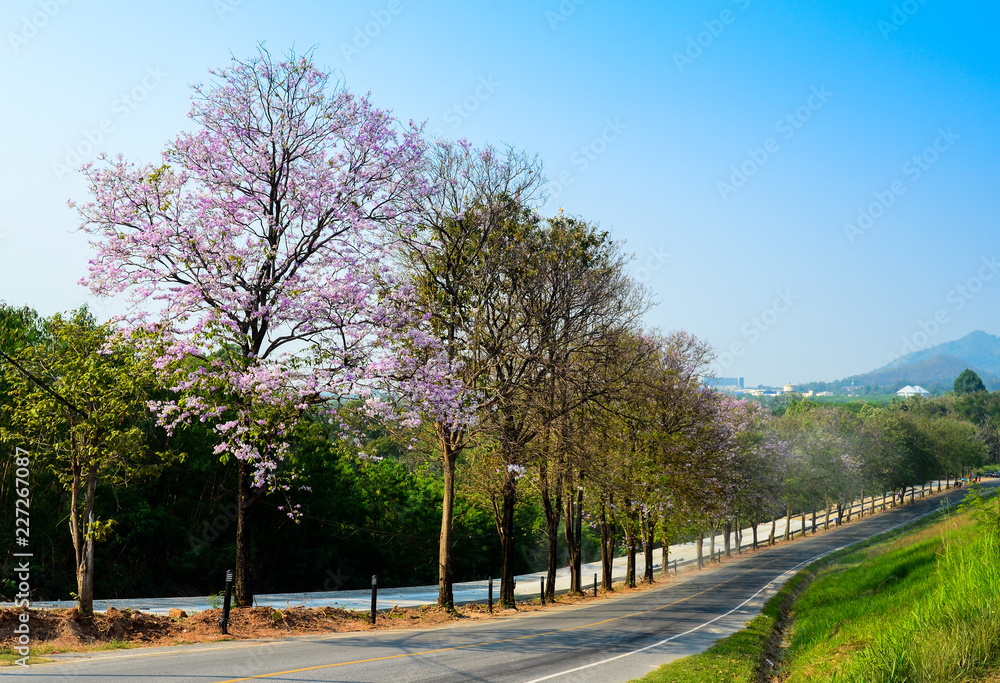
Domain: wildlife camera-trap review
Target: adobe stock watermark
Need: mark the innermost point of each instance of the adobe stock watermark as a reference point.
(335, 581)
(758, 325)
(912, 171)
(701, 41)
(654, 260)
(461, 111)
(370, 30)
(32, 24)
(562, 13)
(255, 660)
(587, 154)
(901, 14)
(224, 7)
(787, 126)
(211, 530)
(121, 108)
(958, 297)
(22, 570)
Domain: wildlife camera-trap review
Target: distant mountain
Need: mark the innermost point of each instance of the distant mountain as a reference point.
(976, 348)
(934, 368)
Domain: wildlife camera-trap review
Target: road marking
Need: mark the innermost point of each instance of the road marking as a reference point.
(662, 642)
(792, 571)
(598, 623)
(546, 633)
(504, 640)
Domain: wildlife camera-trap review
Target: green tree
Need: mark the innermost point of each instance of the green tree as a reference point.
(956, 444)
(802, 407)
(77, 400)
(458, 259)
(968, 382)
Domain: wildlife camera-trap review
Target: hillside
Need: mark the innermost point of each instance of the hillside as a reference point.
(977, 349)
(934, 368)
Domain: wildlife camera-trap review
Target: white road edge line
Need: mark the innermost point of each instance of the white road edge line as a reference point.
(792, 571)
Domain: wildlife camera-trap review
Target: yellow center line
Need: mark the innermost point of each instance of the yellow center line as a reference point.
(494, 642)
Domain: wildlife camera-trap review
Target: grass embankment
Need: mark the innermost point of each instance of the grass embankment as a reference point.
(923, 606)
(738, 657)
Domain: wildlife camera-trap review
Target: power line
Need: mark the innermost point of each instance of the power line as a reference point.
(45, 387)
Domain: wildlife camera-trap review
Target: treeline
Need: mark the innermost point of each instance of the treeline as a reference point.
(840, 453)
(351, 350)
(665, 461)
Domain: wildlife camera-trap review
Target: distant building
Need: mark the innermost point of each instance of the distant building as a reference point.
(825, 393)
(789, 388)
(908, 391)
(724, 383)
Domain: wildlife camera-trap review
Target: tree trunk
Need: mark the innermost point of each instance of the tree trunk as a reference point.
(83, 539)
(243, 585)
(607, 549)
(571, 531)
(701, 551)
(727, 542)
(753, 526)
(803, 520)
(449, 458)
(75, 532)
(814, 520)
(630, 562)
(665, 556)
(550, 574)
(774, 529)
(711, 543)
(630, 542)
(87, 594)
(788, 521)
(553, 514)
(506, 528)
(578, 563)
(647, 548)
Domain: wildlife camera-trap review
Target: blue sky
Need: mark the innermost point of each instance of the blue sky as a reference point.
(758, 158)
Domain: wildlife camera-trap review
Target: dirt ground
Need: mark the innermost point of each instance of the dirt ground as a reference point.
(67, 630)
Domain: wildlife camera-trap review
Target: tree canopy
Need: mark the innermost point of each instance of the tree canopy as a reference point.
(968, 382)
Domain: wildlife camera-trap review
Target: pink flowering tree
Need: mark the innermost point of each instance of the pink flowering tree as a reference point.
(258, 253)
(756, 470)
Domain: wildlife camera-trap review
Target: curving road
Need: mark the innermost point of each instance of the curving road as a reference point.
(611, 640)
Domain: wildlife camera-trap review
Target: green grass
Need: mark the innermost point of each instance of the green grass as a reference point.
(736, 658)
(920, 604)
(8, 656)
(115, 644)
(924, 608)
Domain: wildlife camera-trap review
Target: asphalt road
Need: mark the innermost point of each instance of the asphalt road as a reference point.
(611, 640)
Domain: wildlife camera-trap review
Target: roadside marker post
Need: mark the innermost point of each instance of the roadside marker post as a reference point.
(224, 621)
(595, 584)
(541, 595)
(374, 596)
